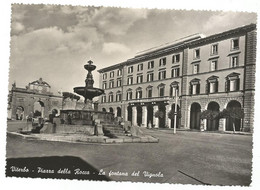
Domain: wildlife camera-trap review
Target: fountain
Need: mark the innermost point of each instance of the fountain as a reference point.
(85, 124)
(87, 115)
(89, 92)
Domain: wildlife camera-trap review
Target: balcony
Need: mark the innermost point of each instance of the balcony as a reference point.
(145, 100)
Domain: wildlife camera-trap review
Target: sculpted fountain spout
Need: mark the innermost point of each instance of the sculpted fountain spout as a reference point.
(89, 92)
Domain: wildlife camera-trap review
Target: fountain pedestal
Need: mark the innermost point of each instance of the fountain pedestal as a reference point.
(88, 105)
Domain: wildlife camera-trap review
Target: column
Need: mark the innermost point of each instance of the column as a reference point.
(167, 120)
(155, 119)
(134, 116)
(126, 114)
(205, 124)
(115, 112)
(144, 116)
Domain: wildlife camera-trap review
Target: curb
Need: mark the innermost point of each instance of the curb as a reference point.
(146, 139)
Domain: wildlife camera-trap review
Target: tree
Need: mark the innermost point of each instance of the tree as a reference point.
(171, 114)
(232, 113)
(158, 114)
(209, 114)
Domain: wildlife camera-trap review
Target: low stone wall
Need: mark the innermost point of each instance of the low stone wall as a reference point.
(84, 117)
(67, 129)
(13, 126)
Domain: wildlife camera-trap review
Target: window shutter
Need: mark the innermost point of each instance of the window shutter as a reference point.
(190, 89)
(198, 89)
(238, 84)
(207, 87)
(228, 85)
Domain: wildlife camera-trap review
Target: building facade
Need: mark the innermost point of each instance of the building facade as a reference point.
(35, 97)
(199, 73)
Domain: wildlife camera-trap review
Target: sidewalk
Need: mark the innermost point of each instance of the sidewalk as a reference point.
(170, 130)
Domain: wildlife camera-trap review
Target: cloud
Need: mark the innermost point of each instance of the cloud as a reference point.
(116, 21)
(17, 28)
(222, 21)
(111, 47)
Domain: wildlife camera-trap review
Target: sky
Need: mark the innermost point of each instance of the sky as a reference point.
(55, 41)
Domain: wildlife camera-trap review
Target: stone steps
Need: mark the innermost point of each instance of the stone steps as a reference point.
(113, 130)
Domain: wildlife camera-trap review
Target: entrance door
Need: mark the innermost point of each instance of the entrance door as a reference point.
(195, 116)
(212, 125)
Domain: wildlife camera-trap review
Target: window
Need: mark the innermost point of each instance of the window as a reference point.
(213, 65)
(140, 67)
(130, 69)
(176, 58)
(214, 49)
(150, 64)
(129, 95)
(130, 80)
(111, 74)
(232, 82)
(104, 86)
(175, 72)
(119, 82)
(162, 61)
(173, 88)
(234, 44)
(111, 84)
(162, 75)
(196, 53)
(139, 93)
(118, 96)
(161, 91)
(233, 61)
(104, 76)
(103, 99)
(212, 85)
(195, 87)
(149, 92)
(119, 72)
(195, 68)
(110, 97)
(139, 79)
(149, 77)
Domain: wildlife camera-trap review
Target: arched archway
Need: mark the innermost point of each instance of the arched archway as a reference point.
(212, 125)
(178, 118)
(119, 114)
(195, 112)
(111, 110)
(162, 119)
(232, 105)
(139, 115)
(54, 111)
(38, 109)
(129, 115)
(104, 110)
(19, 113)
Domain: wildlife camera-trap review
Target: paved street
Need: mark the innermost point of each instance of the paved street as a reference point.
(186, 158)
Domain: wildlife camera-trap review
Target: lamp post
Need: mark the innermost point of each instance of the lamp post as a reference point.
(175, 112)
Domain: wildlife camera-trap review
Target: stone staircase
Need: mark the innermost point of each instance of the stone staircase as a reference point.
(113, 130)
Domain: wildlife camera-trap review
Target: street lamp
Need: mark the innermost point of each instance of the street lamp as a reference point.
(175, 111)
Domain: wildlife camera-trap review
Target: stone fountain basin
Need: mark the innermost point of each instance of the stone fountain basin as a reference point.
(88, 93)
(90, 67)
